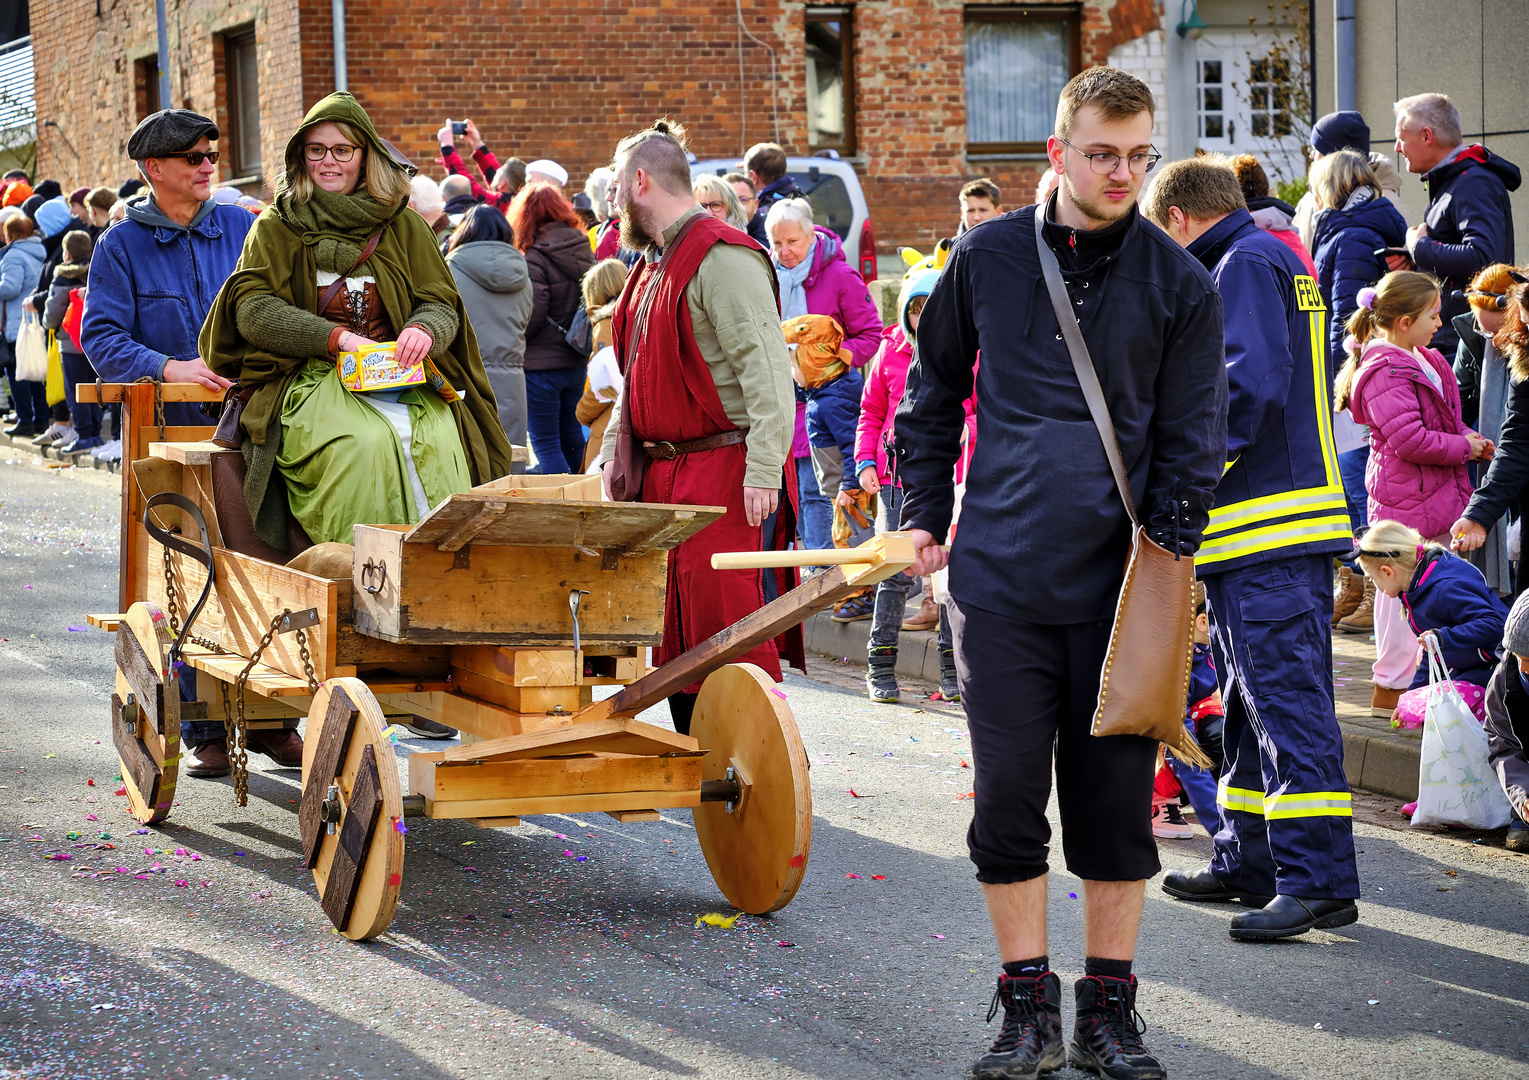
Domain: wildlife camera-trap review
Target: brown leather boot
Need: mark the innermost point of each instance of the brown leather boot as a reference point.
(1383, 701)
(927, 617)
(1350, 594)
(207, 760)
(1362, 620)
(282, 745)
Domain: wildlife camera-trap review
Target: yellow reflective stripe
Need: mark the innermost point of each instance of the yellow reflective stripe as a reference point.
(1230, 798)
(1270, 537)
(1294, 804)
(1324, 398)
(1226, 518)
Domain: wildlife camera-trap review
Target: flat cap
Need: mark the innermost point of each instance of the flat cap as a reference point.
(170, 131)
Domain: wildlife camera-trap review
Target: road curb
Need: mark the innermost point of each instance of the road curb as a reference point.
(1381, 763)
(82, 460)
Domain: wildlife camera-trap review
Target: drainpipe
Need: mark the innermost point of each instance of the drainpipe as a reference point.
(164, 56)
(337, 10)
(1344, 95)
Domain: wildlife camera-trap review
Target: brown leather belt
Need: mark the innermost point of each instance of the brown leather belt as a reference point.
(667, 451)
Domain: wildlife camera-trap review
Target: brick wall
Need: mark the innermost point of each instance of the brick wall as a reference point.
(563, 80)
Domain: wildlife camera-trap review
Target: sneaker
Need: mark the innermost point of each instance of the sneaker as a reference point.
(950, 689)
(881, 678)
(1030, 1040)
(1168, 822)
(1518, 836)
(1362, 620)
(57, 432)
(429, 729)
(854, 609)
(80, 446)
(111, 451)
(926, 618)
(207, 760)
(1106, 1035)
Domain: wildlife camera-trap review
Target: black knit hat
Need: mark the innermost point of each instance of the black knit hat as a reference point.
(48, 189)
(129, 188)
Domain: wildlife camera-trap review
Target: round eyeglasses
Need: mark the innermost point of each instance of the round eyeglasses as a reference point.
(1104, 164)
(316, 151)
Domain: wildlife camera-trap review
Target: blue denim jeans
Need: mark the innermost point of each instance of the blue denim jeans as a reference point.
(557, 437)
(816, 525)
(892, 592)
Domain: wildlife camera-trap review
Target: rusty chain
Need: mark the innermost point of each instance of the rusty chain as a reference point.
(238, 738)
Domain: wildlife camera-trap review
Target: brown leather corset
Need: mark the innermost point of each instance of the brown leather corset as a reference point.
(360, 313)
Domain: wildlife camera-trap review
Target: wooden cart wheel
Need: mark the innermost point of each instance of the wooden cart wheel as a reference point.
(757, 852)
(351, 809)
(145, 713)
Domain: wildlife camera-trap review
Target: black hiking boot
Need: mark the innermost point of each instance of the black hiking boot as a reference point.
(881, 678)
(1030, 1041)
(1106, 1034)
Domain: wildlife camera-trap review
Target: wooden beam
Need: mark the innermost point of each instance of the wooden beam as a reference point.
(109, 623)
(616, 736)
(463, 534)
(627, 816)
(115, 392)
(562, 804)
(188, 453)
(589, 774)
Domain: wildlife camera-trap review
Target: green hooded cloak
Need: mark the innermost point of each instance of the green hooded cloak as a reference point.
(289, 244)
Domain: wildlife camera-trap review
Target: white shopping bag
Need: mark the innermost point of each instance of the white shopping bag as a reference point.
(1456, 785)
(31, 349)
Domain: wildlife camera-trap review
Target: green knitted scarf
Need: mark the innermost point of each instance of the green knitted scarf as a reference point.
(336, 227)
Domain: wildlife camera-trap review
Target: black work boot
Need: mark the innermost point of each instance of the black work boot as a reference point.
(1030, 1041)
(1106, 1035)
(950, 690)
(880, 676)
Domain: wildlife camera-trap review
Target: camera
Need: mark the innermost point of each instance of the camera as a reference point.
(459, 127)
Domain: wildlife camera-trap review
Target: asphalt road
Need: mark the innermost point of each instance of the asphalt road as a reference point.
(509, 956)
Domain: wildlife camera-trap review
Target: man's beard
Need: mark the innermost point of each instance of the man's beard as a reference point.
(1103, 211)
(636, 232)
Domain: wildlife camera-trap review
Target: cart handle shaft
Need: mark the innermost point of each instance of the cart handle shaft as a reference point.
(763, 560)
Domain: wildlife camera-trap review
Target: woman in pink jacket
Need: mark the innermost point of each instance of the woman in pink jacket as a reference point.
(1419, 445)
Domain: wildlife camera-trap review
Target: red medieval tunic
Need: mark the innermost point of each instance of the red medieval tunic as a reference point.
(670, 397)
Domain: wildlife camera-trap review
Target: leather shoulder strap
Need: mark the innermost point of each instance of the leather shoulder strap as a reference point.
(327, 296)
(1082, 363)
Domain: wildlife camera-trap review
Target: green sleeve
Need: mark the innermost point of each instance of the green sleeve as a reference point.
(440, 322)
(732, 289)
(271, 324)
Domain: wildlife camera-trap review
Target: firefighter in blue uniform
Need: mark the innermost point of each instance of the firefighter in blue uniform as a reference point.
(1286, 847)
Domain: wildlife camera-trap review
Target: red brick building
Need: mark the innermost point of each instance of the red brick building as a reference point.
(919, 94)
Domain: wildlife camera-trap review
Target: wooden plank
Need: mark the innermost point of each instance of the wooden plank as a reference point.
(138, 764)
(782, 613)
(563, 804)
(264, 680)
(518, 667)
(661, 536)
(109, 623)
(470, 527)
(550, 486)
(533, 522)
(513, 596)
(521, 699)
(144, 678)
(627, 816)
(115, 392)
(248, 595)
(446, 781)
(614, 736)
(355, 841)
(189, 453)
(468, 714)
(334, 744)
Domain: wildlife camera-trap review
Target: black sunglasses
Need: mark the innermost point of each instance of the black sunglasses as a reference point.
(194, 158)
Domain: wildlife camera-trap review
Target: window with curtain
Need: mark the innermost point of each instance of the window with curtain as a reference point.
(242, 77)
(1017, 61)
(830, 79)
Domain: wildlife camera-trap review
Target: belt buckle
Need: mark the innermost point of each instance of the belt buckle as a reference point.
(664, 451)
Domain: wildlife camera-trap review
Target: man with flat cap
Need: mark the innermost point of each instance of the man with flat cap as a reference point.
(153, 278)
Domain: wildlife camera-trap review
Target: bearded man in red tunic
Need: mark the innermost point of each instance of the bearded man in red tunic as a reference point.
(706, 412)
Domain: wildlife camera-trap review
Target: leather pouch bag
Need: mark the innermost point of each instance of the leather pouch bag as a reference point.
(1144, 687)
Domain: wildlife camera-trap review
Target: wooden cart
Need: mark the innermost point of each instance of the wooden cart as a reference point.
(497, 614)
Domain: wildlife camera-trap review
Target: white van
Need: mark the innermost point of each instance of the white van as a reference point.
(837, 201)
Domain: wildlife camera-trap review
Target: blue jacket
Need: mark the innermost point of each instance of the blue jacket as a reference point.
(1281, 495)
(152, 283)
(1345, 243)
(833, 414)
(1450, 597)
(1470, 226)
(20, 270)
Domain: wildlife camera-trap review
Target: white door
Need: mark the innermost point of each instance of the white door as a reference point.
(1243, 102)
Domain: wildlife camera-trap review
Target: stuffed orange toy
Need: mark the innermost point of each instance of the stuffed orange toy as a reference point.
(817, 348)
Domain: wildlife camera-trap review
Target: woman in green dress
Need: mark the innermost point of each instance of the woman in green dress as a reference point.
(338, 457)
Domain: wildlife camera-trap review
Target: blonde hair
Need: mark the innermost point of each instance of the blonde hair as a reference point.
(718, 188)
(1401, 294)
(1404, 547)
(1334, 177)
(381, 177)
(603, 282)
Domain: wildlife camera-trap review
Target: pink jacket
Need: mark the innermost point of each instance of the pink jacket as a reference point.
(1418, 445)
(878, 405)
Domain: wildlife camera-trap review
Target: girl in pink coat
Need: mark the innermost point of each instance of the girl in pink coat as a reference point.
(1406, 393)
